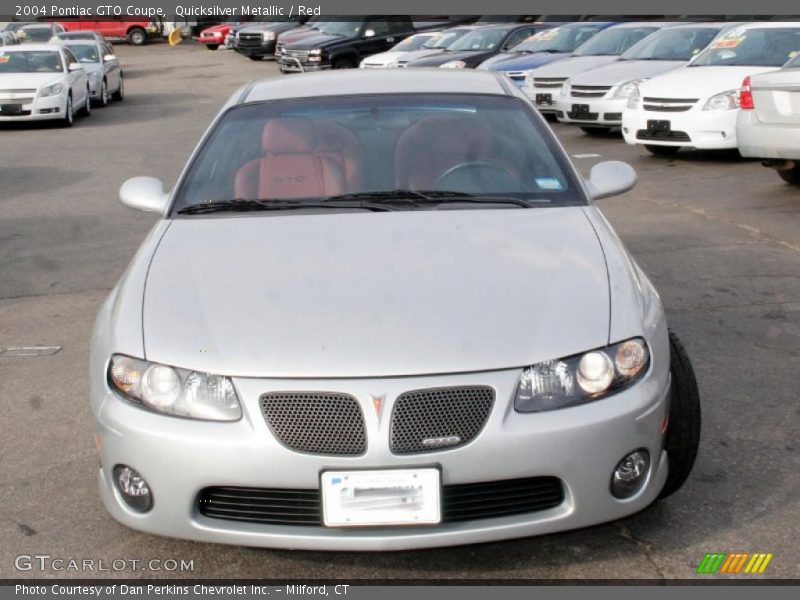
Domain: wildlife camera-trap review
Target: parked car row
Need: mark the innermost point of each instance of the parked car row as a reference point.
(131, 30)
(59, 78)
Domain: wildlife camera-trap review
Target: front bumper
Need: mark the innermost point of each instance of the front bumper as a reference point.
(34, 109)
(602, 111)
(766, 140)
(289, 64)
(265, 48)
(580, 445)
(544, 98)
(695, 128)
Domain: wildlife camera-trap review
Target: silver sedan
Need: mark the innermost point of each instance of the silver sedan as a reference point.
(102, 68)
(384, 312)
(768, 123)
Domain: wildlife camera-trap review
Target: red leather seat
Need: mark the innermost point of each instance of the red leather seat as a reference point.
(432, 145)
(291, 166)
(341, 145)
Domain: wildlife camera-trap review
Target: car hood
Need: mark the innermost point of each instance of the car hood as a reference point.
(416, 54)
(28, 80)
(315, 41)
(698, 82)
(621, 71)
(571, 65)
(520, 62)
(384, 58)
(445, 57)
(375, 294)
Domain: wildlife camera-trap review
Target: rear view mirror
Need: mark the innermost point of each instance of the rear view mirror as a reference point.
(75, 67)
(610, 178)
(109, 58)
(369, 33)
(144, 193)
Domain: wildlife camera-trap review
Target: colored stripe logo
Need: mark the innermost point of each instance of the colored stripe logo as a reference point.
(733, 563)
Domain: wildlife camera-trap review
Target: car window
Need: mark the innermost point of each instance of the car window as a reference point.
(70, 56)
(517, 37)
(480, 39)
(33, 61)
(37, 34)
(415, 42)
(341, 28)
(673, 44)
(795, 62)
(757, 47)
(290, 149)
(445, 39)
(85, 53)
(379, 26)
(560, 39)
(615, 41)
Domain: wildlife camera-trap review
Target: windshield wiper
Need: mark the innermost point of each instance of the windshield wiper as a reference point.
(422, 197)
(273, 205)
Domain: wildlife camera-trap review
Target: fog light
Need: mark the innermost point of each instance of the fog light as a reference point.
(133, 488)
(630, 474)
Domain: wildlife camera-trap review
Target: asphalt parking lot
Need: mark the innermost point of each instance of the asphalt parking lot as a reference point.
(719, 236)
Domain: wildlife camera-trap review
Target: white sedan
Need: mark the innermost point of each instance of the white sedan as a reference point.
(40, 82)
(768, 124)
(389, 59)
(696, 106)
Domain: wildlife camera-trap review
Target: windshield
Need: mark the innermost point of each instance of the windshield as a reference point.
(480, 39)
(444, 40)
(86, 53)
(794, 63)
(561, 39)
(321, 147)
(673, 44)
(37, 34)
(32, 61)
(344, 28)
(415, 42)
(614, 41)
(762, 47)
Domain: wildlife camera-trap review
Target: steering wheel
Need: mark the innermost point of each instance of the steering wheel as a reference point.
(478, 177)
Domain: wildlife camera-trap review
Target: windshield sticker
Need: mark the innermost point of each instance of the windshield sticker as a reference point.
(727, 43)
(549, 183)
(793, 54)
(547, 35)
(4, 58)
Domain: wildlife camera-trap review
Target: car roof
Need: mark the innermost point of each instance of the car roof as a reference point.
(656, 24)
(37, 26)
(770, 25)
(366, 81)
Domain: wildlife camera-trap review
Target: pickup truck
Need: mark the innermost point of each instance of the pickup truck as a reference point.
(342, 44)
(134, 31)
(257, 40)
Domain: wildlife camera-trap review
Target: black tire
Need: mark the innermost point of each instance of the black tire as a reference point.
(344, 63)
(86, 111)
(212, 46)
(790, 175)
(683, 428)
(137, 36)
(102, 99)
(254, 57)
(662, 150)
(69, 113)
(119, 95)
(596, 131)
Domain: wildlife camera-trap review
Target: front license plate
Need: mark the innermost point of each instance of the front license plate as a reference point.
(381, 497)
(659, 126)
(580, 109)
(11, 109)
(544, 98)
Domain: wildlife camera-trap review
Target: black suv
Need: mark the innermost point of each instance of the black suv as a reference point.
(342, 44)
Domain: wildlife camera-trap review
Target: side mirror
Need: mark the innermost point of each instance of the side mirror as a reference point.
(610, 178)
(75, 67)
(144, 193)
(109, 58)
(369, 33)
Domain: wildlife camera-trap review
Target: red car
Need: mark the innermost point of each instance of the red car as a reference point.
(214, 37)
(134, 31)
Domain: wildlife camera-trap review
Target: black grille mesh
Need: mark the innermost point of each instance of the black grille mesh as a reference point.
(461, 502)
(436, 414)
(316, 422)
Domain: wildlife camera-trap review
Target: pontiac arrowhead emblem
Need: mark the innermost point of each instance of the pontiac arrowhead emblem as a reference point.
(377, 403)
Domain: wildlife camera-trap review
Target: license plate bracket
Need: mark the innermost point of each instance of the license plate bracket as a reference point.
(580, 109)
(544, 98)
(11, 109)
(659, 126)
(381, 497)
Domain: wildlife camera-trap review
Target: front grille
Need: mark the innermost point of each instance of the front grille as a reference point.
(548, 82)
(590, 91)
(668, 104)
(19, 91)
(248, 40)
(664, 136)
(438, 419)
(460, 502)
(613, 116)
(316, 422)
(301, 55)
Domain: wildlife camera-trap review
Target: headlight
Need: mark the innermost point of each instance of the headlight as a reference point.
(633, 99)
(267, 35)
(724, 101)
(51, 90)
(176, 392)
(626, 89)
(575, 380)
(454, 64)
(566, 88)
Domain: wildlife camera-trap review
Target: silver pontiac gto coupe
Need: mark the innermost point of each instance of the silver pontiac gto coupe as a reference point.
(382, 312)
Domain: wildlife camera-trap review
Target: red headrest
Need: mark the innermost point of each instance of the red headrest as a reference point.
(289, 135)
